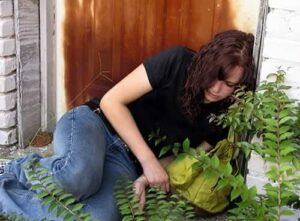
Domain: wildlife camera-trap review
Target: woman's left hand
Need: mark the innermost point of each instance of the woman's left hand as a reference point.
(139, 186)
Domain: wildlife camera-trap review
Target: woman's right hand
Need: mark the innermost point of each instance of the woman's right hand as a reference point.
(139, 187)
(156, 174)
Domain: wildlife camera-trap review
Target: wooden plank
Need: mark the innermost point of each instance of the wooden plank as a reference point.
(121, 33)
(223, 16)
(79, 49)
(28, 69)
(48, 76)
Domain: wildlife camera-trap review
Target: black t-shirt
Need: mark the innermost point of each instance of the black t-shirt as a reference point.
(160, 108)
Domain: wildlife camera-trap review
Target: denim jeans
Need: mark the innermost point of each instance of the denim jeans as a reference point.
(88, 160)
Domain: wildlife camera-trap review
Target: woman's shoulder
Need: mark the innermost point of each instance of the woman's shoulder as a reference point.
(177, 51)
(180, 50)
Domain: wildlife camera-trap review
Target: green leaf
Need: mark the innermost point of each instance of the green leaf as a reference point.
(296, 163)
(65, 195)
(186, 145)
(273, 194)
(248, 111)
(68, 217)
(57, 191)
(70, 201)
(286, 151)
(52, 207)
(271, 122)
(284, 113)
(52, 186)
(235, 193)
(285, 119)
(48, 200)
(60, 212)
(271, 136)
(215, 162)
(252, 192)
(270, 152)
(164, 150)
(284, 129)
(37, 187)
(77, 207)
(227, 169)
(286, 135)
(175, 150)
(285, 168)
(42, 194)
(157, 141)
(271, 144)
(221, 184)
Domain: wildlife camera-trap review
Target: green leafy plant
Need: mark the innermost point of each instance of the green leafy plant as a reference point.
(273, 118)
(63, 205)
(13, 217)
(51, 194)
(159, 206)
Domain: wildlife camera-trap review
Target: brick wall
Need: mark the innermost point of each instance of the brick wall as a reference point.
(281, 50)
(8, 116)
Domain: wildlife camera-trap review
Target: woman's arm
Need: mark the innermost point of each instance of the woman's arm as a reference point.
(114, 105)
(141, 183)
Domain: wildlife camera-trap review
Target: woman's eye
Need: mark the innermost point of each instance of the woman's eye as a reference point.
(230, 84)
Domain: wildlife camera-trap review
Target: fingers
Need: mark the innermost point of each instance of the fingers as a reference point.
(139, 187)
(162, 186)
(142, 200)
(161, 183)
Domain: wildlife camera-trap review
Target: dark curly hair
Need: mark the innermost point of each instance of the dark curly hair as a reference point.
(214, 61)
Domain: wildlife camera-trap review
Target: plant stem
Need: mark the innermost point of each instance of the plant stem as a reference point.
(279, 178)
(58, 201)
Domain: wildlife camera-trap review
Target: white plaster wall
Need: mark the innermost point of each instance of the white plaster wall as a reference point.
(281, 51)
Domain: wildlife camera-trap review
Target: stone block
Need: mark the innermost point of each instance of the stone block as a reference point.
(7, 46)
(7, 83)
(7, 65)
(8, 119)
(6, 27)
(8, 137)
(6, 8)
(8, 101)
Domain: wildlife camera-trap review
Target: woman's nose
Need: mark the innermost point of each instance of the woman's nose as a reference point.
(217, 86)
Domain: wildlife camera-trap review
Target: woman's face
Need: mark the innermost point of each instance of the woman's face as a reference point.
(222, 89)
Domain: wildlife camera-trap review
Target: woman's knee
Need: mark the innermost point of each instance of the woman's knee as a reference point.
(79, 144)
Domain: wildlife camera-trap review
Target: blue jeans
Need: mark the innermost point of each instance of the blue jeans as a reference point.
(88, 160)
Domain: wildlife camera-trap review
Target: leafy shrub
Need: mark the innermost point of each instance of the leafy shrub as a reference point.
(159, 205)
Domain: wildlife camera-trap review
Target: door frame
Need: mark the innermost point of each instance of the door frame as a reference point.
(48, 64)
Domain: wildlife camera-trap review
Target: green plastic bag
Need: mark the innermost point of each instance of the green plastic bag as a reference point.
(196, 186)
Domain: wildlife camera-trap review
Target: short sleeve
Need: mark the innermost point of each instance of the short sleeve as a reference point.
(160, 66)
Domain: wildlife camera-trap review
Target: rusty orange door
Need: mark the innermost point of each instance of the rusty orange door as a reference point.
(105, 39)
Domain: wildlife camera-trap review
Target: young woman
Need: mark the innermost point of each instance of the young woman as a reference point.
(172, 92)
